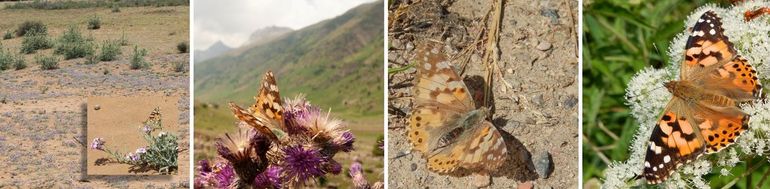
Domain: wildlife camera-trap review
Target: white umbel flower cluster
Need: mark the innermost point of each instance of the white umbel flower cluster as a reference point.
(647, 97)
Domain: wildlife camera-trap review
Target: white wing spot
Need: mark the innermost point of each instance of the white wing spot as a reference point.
(700, 20)
(712, 31)
(666, 159)
(647, 164)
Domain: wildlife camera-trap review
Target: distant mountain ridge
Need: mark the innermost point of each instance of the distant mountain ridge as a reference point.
(214, 50)
(267, 33)
(337, 63)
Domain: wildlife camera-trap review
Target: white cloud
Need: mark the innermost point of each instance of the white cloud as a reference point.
(233, 21)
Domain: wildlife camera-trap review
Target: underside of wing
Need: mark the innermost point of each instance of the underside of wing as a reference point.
(258, 122)
(479, 149)
(268, 101)
(437, 82)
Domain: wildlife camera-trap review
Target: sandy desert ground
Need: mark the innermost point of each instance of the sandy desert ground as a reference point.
(536, 110)
(43, 112)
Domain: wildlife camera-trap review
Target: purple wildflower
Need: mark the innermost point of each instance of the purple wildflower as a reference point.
(301, 164)
(132, 156)
(358, 176)
(141, 150)
(295, 113)
(333, 167)
(270, 178)
(223, 175)
(204, 166)
(346, 141)
(204, 177)
(146, 129)
(98, 144)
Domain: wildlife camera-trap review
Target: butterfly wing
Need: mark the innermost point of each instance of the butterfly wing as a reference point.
(268, 101)
(674, 141)
(480, 148)
(717, 69)
(260, 122)
(440, 96)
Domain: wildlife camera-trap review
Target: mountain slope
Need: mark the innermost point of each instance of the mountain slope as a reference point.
(214, 50)
(337, 63)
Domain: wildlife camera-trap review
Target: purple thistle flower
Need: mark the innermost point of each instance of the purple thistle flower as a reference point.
(355, 168)
(223, 175)
(296, 112)
(204, 177)
(301, 164)
(204, 166)
(270, 178)
(98, 144)
(333, 167)
(345, 141)
(358, 176)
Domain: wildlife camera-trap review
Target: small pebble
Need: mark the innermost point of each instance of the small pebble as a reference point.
(481, 180)
(543, 46)
(543, 165)
(414, 166)
(509, 70)
(526, 185)
(97, 107)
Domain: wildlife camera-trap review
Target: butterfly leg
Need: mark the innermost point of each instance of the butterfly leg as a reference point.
(751, 15)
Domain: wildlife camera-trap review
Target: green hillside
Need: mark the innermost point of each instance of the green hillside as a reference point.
(337, 63)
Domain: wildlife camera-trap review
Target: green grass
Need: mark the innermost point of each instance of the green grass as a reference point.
(620, 38)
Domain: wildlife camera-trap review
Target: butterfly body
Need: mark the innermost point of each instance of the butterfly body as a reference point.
(703, 115)
(692, 94)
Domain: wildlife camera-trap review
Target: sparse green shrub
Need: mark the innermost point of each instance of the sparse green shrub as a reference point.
(94, 23)
(35, 41)
(47, 62)
(182, 47)
(73, 45)
(180, 66)
(137, 59)
(31, 27)
(110, 51)
(18, 62)
(6, 59)
(8, 35)
(115, 7)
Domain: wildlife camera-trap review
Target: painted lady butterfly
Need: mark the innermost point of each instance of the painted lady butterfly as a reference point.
(266, 115)
(445, 125)
(703, 115)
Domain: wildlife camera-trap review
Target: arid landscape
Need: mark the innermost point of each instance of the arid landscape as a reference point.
(43, 104)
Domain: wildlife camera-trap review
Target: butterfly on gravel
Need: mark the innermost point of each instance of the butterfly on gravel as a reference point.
(445, 125)
(703, 116)
(266, 115)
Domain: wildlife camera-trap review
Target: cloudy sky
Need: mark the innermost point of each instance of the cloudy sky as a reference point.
(233, 21)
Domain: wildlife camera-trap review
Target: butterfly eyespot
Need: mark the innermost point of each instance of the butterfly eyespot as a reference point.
(419, 140)
(418, 118)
